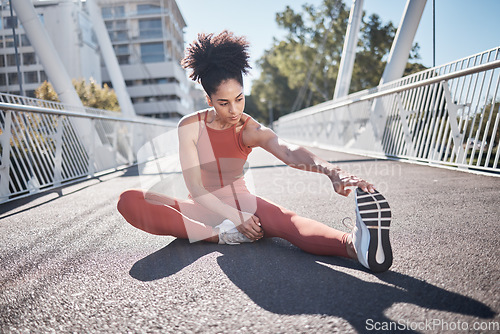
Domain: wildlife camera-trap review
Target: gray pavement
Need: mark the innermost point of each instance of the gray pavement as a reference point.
(70, 263)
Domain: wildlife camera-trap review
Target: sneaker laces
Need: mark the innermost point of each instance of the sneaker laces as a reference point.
(229, 234)
(233, 237)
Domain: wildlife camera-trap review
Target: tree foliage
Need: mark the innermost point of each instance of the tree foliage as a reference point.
(301, 70)
(91, 94)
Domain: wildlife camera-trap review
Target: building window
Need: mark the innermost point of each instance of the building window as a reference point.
(123, 60)
(119, 36)
(110, 12)
(119, 11)
(150, 28)
(1, 40)
(121, 25)
(9, 41)
(10, 22)
(3, 79)
(152, 52)
(30, 93)
(43, 76)
(121, 50)
(116, 25)
(138, 100)
(29, 58)
(2, 61)
(11, 60)
(148, 9)
(25, 41)
(31, 77)
(166, 80)
(107, 12)
(13, 78)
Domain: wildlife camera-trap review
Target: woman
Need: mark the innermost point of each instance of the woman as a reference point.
(213, 147)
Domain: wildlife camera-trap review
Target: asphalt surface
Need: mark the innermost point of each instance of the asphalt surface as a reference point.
(70, 263)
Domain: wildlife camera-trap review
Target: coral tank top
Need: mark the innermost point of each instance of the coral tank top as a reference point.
(222, 156)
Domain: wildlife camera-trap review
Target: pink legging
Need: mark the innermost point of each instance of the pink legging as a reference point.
(187, 219)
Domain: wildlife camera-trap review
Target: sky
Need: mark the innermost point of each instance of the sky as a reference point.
(463, 27)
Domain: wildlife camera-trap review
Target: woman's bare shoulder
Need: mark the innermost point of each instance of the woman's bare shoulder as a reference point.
(190, 118)
(252, 124)
(253, 131)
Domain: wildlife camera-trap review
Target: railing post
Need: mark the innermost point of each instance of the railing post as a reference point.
(91, 148)
(114, 143)
(453, 108)
(155, 154)
(406, 128)
(130, 137)
(5, 162)
(58, 152)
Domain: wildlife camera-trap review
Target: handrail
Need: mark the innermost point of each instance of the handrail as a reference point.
(383, 92)
(42, 148)
(447, 115)
(17, 107)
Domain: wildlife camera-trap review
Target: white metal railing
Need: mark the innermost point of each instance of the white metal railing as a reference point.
(41, 144)
(447, 115)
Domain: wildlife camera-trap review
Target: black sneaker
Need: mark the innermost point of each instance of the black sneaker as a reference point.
(370, 235)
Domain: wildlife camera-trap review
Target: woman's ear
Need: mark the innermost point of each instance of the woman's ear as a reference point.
(209, 101)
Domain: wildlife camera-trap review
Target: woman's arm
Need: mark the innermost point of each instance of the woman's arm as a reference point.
(301, 158)
(247, 223)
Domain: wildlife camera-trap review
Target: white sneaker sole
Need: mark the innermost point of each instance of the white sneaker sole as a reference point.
(374, 214)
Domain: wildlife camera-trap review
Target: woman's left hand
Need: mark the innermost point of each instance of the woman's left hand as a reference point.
(250, 227)
(342, 181)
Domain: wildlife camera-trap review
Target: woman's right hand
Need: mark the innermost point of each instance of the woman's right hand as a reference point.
(250, 227)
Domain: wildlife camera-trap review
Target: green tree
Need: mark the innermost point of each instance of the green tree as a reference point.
(301, 70)
(91, 94)
(374, 44)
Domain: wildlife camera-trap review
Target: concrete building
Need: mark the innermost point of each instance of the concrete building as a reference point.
(70, 29)
(199, 97)
(149, 44)
(147, 38)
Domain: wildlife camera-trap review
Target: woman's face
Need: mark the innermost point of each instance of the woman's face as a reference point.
(228, 101)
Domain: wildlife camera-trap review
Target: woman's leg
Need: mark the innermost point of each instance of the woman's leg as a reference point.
(307, 234)
(163, 215)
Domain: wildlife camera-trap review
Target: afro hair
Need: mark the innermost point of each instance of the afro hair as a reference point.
(216, 58)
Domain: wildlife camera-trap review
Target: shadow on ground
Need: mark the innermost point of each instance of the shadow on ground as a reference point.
(284, 280)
